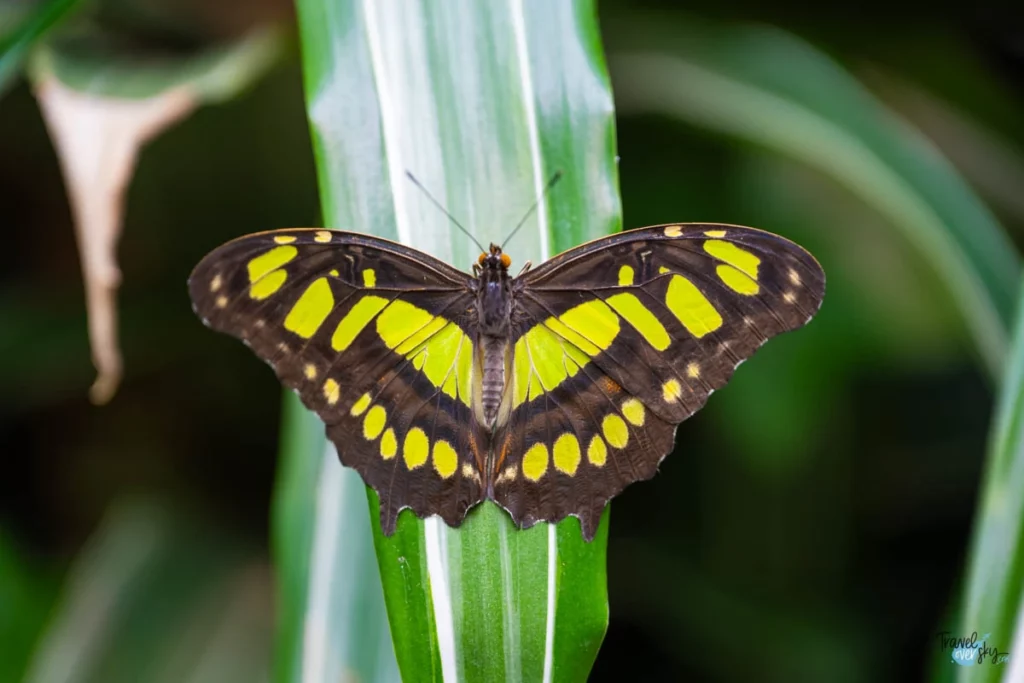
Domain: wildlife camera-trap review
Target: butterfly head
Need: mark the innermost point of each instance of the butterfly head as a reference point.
(494, 260)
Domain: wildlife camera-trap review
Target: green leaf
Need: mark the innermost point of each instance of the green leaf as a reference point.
(161, 597)
(767, 87)
(331, 622)
(483, 102)
(994, 592)
(16, 42)
(26, 597)
(94, 62)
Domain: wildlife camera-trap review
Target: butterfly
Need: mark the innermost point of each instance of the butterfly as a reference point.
(547, 392)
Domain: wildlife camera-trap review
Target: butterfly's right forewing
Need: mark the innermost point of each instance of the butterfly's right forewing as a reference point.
(373, 337)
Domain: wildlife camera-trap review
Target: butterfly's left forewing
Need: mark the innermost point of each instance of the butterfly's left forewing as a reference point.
(619, 340)
(373, 337)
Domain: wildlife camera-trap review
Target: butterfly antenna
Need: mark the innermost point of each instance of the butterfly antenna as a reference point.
(443, 210)
(551, 183)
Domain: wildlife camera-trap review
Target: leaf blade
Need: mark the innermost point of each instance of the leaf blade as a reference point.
(993, 595)
(464, 96)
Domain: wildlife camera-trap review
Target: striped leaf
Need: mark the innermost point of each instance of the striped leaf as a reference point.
(482, 102)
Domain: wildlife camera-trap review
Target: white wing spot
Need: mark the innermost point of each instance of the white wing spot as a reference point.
(794, 277)
(222, 302)
(469, 472)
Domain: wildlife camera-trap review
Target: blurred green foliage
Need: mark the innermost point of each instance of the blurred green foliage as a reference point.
(814, 521)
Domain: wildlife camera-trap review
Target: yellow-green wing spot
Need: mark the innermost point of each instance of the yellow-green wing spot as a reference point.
(671, 391)
(626, 276)
(415, 448)
(445, 458)
(332, 391)
(436, 346)
(535, 461)
(597, 452)
(358, 317)
(691, 307)
(633, 410)
(542, 361)
(642, 319)
(566, 454)
(311, 309)
(373, 423)
(265, 273)
(388, 444)
(615, 431)
(739, 272)
(547, 354)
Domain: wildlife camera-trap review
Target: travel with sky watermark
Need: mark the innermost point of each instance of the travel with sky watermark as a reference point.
(971, 650)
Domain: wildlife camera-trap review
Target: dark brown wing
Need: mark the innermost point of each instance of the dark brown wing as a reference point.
(623, 338)
(372, 336)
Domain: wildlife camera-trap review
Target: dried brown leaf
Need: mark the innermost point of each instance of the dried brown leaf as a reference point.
(98, 140)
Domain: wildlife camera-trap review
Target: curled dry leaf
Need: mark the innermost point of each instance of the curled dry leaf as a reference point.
(97, 139)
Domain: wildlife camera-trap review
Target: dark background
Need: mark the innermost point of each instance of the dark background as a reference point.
(819, 507)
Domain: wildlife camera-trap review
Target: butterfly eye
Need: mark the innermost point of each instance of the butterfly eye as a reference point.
(506, 260)
(483, 257)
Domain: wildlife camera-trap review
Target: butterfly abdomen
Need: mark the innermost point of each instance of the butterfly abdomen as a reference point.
(494, 302)
(493, 385)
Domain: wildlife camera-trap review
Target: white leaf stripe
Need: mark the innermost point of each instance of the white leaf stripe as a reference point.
(435, 537)
(536, 162)
(329, 503)
(549, 632)
(401, 57)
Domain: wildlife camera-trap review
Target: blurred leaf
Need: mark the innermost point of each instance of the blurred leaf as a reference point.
(986, 158)
(91, 62)
(25, 601)
(97, 141)
(15, 42)
(767, 87)
(161, 598)
(100, 112)
(331, 623)
(994, 598)
(465, 95)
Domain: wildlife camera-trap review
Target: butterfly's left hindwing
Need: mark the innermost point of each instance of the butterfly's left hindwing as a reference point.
(618, 341)
(372, 336)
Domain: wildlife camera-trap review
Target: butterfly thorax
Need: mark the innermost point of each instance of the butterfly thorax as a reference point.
(494, 308)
